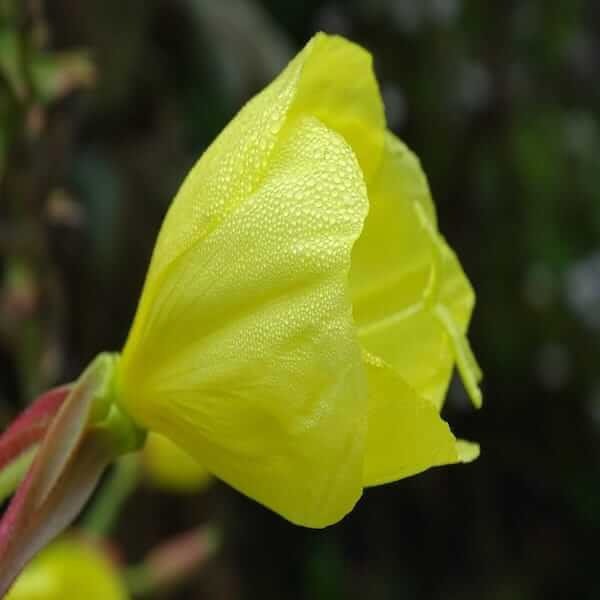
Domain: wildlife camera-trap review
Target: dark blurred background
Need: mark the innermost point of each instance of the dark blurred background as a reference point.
(104, 106)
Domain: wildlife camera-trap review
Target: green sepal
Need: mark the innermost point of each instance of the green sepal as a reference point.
(120, 431)
(107, 418)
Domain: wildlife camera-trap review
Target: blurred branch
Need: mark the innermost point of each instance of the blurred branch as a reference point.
(173, 561)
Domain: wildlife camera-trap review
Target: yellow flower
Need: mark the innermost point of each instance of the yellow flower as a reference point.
(170, 468)
(302, 315)
(68, 569)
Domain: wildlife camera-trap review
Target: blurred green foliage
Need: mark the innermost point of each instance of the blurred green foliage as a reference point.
(103, 108)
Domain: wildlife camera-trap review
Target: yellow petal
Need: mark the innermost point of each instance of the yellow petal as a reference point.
(331, 79)
(170, 468)
(247, 356)
(338, 87)
(69, 568)
(243, 350)
(406, 434)
(467, 451)
(412, 301)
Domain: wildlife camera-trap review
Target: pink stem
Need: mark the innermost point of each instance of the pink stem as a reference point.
(174, 559)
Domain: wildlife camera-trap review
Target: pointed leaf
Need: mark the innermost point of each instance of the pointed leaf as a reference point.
(29, 428)
(59, 482)
(59, 509)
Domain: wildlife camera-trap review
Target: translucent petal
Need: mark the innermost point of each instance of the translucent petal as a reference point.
(406, 434)
(412, 301)
(331, 79)
(246, 355)
(338, 87)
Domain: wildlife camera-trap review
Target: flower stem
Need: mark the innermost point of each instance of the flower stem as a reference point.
(122, 481)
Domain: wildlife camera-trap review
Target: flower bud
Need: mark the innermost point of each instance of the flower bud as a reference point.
(69, 568)
(170, 468)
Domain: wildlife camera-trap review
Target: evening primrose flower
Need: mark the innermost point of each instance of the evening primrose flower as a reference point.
(302, 315)
(67, 569)
(169, 468)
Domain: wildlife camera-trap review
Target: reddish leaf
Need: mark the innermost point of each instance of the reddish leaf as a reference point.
(29, 428)
(25, 530)
(64, 473)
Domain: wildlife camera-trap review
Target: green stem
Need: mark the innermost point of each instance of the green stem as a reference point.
(104, 512)
(14, 472)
